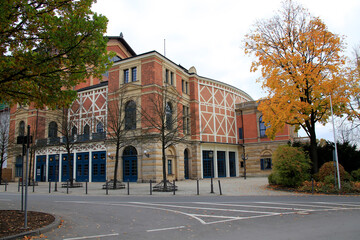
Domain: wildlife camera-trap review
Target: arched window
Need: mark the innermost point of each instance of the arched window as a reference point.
(100, 127)
(86, 130)
(22, 128)
(262, 127)
(168, 113)
(130, 115)
(53, 129)
(74, 131)
(130, 151)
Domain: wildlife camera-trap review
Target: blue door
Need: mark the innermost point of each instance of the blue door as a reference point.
(186, 164)
(130, 164)
(221, 164)
(40, 168)
(99, 166)
(53, 168)
(208, 164)
(82, 167)
(232, 164)
(66, 168)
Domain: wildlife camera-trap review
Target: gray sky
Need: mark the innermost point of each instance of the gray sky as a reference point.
(208, 34)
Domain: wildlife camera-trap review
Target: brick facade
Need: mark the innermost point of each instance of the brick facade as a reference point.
(213, 146)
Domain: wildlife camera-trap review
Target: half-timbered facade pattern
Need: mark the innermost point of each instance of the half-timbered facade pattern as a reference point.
(221, 122)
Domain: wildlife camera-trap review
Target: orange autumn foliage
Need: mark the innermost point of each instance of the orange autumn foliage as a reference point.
(302, 65)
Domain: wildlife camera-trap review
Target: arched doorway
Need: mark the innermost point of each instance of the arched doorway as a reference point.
(130, 164)
(186, 164)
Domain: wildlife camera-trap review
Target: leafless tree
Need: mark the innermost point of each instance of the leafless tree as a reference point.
(65, 126)
(122, 124)
(5, 140)
(165, 122)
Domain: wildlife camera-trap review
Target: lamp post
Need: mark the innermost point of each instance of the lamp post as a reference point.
(244, 157)
(335, 141)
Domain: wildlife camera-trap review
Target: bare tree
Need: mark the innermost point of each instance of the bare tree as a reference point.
(164, 122)
(5, 140)
(121, 124)
(64, 124)
(348, 127)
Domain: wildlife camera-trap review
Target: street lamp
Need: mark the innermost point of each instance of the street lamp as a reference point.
(336, 152)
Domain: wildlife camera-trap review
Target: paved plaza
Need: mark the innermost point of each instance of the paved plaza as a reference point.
(229, 187)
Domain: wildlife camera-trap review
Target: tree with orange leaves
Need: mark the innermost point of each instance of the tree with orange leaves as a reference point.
(302, 65)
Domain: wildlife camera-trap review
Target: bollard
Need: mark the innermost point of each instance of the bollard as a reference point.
(312, 185)
(128, 187)
(197, 186)
(33, 186)
(220, 187)
(55, 187)
(49, 187)
(6, 185)
(174, 186)
(212, 186)
(150, 187)
(19, 185)
(67, 187)
(86, 187)
(106, 186)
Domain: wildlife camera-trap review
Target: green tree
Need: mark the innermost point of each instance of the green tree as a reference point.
(302, 66)
(47, 47)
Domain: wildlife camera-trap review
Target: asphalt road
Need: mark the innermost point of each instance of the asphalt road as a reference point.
(197, 217)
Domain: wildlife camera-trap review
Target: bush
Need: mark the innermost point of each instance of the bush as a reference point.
(356, 175)
(327, 169)
(291, 166)
(272, 179)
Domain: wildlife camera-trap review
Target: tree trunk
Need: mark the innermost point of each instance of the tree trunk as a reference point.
(1, 167)
(71, 175)
(116, 165)
(164, 166)
(313, 149)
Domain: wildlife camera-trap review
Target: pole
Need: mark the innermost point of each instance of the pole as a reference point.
(22, 178)
(335, 143)
(212, 186)
(150, 187)
(26, 176)
(220, 187)
(174, 186)
(128, 187)
(197, 187)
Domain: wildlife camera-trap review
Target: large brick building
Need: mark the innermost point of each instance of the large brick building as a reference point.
(219, 122)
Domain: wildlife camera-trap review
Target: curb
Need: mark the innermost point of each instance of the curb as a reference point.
(38, 231)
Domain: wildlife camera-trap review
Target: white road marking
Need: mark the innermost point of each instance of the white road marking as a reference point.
(202, 208)
(198, 217)
(95, 236)
(340, 204)
(298, 204)
(164, 229)
(252, 206)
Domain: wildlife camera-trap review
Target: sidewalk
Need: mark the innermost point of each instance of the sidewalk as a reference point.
(253, 186)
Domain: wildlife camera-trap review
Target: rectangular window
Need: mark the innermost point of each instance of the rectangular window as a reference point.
(241, 136)
(182, 85)
(186, 88)
(18, 166)
(186, 120)
(133, 74)
(169, 166)
(167, 76)
(265, 163)
(171, 78)
(126, 75)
